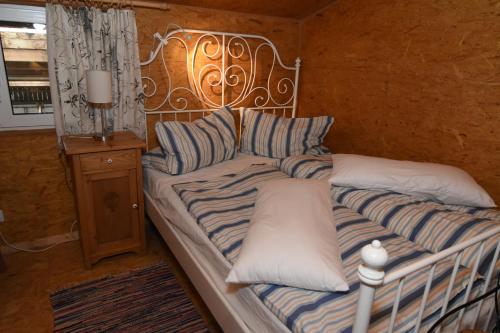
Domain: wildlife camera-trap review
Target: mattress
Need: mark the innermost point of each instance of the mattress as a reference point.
(159, 186)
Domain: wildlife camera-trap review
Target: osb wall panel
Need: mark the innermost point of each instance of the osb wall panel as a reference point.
(33, 192)
(289, 8)
(416, 79)
(283, 32)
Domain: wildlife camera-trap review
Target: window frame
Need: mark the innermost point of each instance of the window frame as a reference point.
(8, 120)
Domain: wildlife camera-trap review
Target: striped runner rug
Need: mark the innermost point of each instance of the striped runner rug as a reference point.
(145, 300)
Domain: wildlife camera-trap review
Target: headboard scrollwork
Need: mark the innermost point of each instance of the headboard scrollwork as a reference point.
(202, 71)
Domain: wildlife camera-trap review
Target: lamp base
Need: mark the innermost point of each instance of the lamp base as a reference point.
(103, 138)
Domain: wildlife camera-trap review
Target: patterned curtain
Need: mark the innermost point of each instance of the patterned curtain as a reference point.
(89, 38)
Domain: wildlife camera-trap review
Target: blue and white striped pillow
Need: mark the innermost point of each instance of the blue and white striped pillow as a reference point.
(189, 146)
(278, 137)
(155, 158)
(307, 166)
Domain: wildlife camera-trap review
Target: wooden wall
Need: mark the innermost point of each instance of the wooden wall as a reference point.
(283, 32)
(416, 79)
(33, 193)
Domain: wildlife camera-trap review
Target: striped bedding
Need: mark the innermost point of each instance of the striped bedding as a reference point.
(222, 208)
(155, 159)
(307, 166)
(188, 146)
(430, 224)
(269, 135)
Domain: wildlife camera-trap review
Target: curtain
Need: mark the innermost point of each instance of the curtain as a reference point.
(79, 39)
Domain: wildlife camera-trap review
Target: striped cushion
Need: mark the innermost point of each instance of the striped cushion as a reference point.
(279, 137)
(307, 166)
(155, 159)
(189, 146)
(319, 150)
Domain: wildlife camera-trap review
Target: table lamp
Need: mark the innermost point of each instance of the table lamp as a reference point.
(99, 97)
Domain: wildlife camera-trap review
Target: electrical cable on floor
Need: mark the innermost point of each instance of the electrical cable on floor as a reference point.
(475, 300)
(38, 250)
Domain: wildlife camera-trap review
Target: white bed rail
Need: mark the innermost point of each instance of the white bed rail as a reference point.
(372, 275)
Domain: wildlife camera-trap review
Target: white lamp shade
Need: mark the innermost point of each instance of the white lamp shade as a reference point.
(99, 86)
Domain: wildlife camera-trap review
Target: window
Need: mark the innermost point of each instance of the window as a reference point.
(25, 101)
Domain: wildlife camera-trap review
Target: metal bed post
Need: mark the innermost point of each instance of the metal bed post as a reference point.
(371, 275)
(242, 110)
(296, 87)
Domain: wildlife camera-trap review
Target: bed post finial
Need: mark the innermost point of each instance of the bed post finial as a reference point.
(371, 275)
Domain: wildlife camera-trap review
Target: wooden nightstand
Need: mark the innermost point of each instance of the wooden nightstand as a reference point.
(107, 180)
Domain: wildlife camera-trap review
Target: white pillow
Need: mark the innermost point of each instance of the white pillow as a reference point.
(447, 184)
(292, 239)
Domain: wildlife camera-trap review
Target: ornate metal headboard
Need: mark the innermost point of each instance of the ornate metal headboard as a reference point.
(205, 70)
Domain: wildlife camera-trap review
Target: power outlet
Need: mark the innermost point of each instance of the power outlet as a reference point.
(2, 218)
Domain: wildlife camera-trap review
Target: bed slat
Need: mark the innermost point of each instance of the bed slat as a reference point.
(395, 307)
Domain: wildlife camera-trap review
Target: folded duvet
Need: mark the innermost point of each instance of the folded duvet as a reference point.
(222, 208)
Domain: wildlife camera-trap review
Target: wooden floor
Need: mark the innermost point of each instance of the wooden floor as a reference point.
(30, 279)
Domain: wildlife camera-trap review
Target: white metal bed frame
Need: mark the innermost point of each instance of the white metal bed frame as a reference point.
(221, 72)
(374, 256)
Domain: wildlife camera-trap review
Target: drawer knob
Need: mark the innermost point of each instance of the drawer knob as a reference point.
(109, 161)
(134, 206)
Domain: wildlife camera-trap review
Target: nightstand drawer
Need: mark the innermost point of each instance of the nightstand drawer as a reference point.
(113, 160)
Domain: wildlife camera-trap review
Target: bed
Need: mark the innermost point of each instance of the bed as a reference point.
(203, 216)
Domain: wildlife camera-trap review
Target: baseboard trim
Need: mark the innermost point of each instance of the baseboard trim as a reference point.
(41, 243)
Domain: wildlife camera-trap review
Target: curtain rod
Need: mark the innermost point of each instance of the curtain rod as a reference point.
(133, 3)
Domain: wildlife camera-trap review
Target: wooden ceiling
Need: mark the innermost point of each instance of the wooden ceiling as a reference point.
(285, 8)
